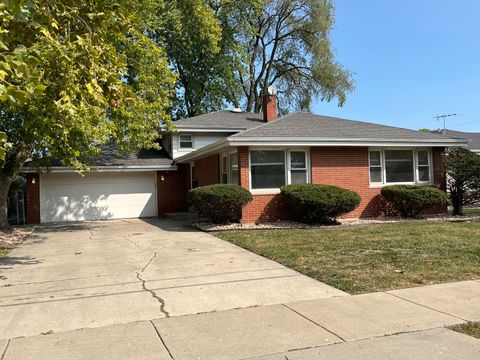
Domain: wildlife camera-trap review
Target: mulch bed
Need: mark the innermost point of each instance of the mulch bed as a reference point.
(210, 227)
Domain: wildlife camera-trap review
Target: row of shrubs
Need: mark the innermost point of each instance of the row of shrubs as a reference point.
(311, 203)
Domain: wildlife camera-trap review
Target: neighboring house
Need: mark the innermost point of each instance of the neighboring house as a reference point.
(473, 139)
(257, 151)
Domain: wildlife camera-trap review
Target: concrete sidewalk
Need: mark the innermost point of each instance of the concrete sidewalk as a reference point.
(402, 324)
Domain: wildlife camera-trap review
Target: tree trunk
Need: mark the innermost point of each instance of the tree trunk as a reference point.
(457, 202)
(5, 183)
(11, 167)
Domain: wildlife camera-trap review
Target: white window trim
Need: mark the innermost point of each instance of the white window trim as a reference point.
(273, 191)
(228, 169)
(415, 167)
(180, 148)
(224, 167)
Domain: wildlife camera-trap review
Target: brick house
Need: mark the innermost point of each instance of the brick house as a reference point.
(259, 152)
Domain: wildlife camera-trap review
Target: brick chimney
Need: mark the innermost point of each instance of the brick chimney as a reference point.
(269, 107)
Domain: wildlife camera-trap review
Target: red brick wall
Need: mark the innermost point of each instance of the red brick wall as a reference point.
(269, 107)
(33, 199)
(207, 170)
(346, 167)
(172, 188)
(439, 178)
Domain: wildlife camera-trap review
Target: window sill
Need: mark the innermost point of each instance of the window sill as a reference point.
(265, 191)
(379, 185)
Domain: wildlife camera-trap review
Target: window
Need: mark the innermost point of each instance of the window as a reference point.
(298, 167)
(267, 169)
(375, 160)
(271, 169)
(399, 166)
(234, 168)
(423, 166)
(224, 169)
(186, 142)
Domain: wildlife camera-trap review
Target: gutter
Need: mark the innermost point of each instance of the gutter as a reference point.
(118, 168)
(400, 142)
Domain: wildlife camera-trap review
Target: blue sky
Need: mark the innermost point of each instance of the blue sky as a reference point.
(411, 59)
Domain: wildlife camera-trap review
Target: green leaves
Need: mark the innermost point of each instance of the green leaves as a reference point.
(287, 44)
(463, 177)
(3, 140)
(75, 75)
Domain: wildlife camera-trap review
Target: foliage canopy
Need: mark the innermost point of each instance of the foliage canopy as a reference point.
(75, 75)
(463, 177)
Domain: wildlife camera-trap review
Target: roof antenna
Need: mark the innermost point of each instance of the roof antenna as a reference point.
(443, 118)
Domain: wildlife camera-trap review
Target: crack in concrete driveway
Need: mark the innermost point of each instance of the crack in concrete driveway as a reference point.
(144, 286)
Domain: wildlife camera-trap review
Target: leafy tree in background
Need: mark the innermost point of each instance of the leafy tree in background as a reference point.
(200, 39)
(463, 177)
(287, 44)
(75, 75)
(230, 51)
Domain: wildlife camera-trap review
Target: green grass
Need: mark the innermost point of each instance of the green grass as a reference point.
(471, 211)
(3, 252)
(470, 328)
(373, 257)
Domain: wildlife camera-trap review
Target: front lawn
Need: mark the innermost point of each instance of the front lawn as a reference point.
(373, 257)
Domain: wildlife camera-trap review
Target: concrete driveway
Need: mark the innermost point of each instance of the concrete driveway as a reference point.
(93, 274)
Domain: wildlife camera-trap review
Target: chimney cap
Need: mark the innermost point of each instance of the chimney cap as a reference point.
(272, 90)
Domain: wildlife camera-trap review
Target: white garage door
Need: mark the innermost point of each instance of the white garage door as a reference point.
(70, 197)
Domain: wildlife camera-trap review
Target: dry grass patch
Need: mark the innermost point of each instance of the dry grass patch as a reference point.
(373, 257)
(470, 328)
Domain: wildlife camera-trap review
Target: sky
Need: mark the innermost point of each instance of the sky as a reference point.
(411, 60)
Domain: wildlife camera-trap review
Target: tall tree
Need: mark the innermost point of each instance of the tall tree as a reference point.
(463, 177)
(230, 51)
(75, 75)
(288, 45)
(202, 48)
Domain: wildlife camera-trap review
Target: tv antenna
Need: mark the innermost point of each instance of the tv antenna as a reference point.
(443, 118)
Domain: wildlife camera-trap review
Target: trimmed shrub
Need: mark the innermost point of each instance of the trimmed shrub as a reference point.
(221, 203)
(314, 203)
(410, 200)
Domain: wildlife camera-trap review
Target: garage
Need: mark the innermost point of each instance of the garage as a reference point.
(97, 196)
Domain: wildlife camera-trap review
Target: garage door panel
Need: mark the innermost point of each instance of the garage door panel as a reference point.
(69, 197)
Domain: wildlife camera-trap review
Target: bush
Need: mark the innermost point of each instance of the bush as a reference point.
(221, 203)
(313, 203)
(410, 200)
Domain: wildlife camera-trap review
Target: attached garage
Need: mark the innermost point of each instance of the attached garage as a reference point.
(97, 196)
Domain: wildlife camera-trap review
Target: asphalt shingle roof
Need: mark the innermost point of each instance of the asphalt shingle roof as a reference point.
(307, 125)
(222, 119)
(111, 156)
(472, 138)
